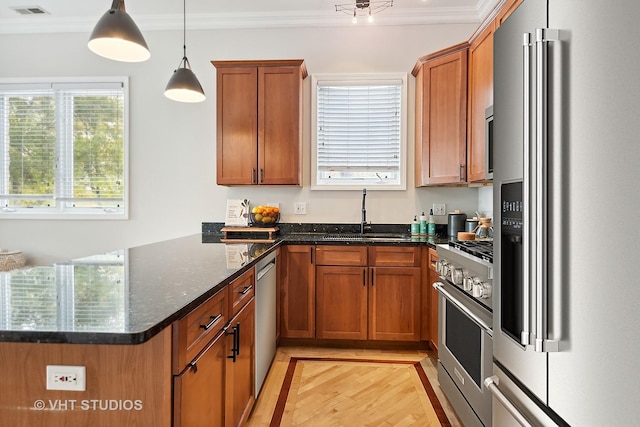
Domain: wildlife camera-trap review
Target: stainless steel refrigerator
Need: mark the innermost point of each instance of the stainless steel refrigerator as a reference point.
(566, 205)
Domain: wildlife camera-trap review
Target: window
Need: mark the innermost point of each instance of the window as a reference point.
(359, 136)
(63, 149)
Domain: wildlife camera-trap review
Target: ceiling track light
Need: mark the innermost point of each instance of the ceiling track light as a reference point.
(363, 7)
(183, 85)
(117, 37)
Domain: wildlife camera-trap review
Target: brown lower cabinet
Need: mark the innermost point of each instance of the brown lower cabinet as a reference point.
(199, 390)
(367, 293)
(433, 299)
(215, 388)
(297, 292)
(239, 375)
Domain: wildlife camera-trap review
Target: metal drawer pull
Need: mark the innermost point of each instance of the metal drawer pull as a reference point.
(492, 384)
(439, 287)
(245, 290)
(214, 319)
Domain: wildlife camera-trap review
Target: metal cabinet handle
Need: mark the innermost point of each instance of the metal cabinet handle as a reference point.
(246, 290)
(235, 331)
(214, 319)
(260, 176)
(438, 286)
(491, 384)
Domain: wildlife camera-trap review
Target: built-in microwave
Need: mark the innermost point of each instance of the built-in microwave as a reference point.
(488, 137)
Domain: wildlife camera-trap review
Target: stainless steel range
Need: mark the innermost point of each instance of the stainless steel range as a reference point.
(465, 320)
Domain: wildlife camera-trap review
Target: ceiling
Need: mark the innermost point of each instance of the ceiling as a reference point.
(81, 15)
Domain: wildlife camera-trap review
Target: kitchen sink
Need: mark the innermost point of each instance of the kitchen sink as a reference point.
(367, 237)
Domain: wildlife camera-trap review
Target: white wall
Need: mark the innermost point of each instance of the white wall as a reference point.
(172, 145)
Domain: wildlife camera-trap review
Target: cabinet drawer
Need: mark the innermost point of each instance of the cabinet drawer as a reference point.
(394, 256)
(341, 255)
(433, 257)
(195, 330)
(241, 291)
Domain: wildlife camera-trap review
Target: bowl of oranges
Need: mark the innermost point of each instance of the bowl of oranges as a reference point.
(264, 216)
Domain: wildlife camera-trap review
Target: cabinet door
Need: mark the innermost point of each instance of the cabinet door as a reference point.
(279, 125)
(442, 125)
(394, 303)
(433, 299)
(239, 378)
(480, 97)
(199, 390)
(237, 124)
(298, 292)
(341, 302)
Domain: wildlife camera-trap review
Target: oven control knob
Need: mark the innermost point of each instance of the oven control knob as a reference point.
(440, 266)
(457, 276)
(467, 283)
(481, 290)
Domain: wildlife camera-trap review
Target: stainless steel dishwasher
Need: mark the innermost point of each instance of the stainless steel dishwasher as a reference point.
(265, 318)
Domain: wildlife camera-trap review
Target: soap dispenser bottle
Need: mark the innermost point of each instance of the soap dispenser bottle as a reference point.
(423, 224)
(415, 226)
(431, 225)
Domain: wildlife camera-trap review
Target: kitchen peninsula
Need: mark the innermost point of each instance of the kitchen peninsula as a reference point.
(147, 324)
(112, 314)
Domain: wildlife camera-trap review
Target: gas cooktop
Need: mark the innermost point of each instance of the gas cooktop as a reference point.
(482, 249)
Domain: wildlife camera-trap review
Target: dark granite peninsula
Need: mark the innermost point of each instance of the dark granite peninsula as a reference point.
(124, 297)
(127, 320)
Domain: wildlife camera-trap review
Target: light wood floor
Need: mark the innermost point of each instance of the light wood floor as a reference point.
(266, 403)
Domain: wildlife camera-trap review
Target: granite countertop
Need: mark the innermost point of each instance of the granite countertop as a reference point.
(124, 297)
(128, 296)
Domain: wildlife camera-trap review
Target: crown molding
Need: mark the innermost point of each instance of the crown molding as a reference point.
(247, 20)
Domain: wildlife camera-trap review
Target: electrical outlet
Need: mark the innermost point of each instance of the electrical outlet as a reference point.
(60, 377)
(439, 208)
(300, 208)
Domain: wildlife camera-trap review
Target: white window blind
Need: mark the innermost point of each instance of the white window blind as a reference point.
(62, 148)
(359, 132)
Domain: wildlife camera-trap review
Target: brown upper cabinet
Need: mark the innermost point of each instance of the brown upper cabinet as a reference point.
(441, 117)
(259, 122)
(454, 87)
(480, 97)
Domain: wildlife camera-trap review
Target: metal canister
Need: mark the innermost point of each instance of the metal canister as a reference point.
(456, 223)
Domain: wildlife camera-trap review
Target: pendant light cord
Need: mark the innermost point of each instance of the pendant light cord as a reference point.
(184, 27)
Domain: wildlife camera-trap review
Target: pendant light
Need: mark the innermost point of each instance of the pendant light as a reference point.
(117, 37)
(183, 85)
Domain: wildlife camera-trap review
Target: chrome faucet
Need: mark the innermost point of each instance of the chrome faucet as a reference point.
(363, 224)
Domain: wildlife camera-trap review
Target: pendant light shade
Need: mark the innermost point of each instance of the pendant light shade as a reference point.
(183, 85)
(117, 37)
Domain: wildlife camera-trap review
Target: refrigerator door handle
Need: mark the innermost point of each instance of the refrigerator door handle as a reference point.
(525, 334)
(542, 343)
(491, 384)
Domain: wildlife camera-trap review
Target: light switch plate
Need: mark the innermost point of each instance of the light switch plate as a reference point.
(439, 208)
(300, 208)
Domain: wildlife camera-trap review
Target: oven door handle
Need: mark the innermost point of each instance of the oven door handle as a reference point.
(438, 286)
